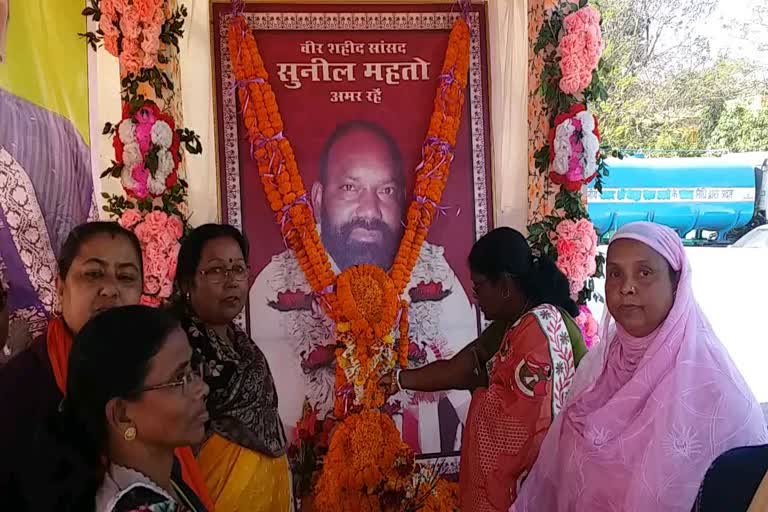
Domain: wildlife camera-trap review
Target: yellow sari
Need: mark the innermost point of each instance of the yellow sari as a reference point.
(242, 480)
(243, 461)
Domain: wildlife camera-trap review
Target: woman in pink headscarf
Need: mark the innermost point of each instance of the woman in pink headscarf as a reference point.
(652, 407)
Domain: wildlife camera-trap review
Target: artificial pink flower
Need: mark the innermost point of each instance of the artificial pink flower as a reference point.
(580, 49)
(151, 41)
(156, 220)
(566, 248)
(140, 175)
(576, 246)
(110, 44)
(588, 326)
(581, 19)
(152, 32)
(121, 5)
(107, 26)
(149, 61)
(144, 136)
(145, 236)
(156, 263)
(130, 218)
(131, 56)
(175, 226)
(130, 24)
(166, 287)
(173, 261)
(107, 8)
(167, 239)
(159, 18)
(146, 9)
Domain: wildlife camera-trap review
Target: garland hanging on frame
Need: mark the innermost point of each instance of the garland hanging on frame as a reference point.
(365, 302)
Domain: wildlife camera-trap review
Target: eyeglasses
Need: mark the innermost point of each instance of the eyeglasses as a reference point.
(194, 373)
(219, 275)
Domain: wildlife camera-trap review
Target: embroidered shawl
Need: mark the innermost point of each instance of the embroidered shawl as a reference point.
(243, 399)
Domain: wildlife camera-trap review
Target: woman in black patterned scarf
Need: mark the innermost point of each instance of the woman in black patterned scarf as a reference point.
(243, 458)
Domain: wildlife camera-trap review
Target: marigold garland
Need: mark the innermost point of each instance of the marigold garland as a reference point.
(369, 468)
(363, 301)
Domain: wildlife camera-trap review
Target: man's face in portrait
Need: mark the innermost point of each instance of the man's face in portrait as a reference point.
(360, 197)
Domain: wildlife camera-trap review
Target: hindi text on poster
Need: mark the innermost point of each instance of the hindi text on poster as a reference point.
(319, 69)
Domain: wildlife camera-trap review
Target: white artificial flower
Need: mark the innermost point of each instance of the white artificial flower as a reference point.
(127, 132)
(562, 147)
(589, 141)
(156, 185)
(587, 120)
(164, 164)
(127, 180)
(132, 155)
(162, 135)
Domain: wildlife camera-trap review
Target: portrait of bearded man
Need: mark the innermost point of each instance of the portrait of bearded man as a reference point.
(360, 200)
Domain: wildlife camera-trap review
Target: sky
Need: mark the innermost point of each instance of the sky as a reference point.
(732, 41)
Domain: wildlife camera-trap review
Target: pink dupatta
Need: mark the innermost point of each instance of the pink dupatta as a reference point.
(646, 417)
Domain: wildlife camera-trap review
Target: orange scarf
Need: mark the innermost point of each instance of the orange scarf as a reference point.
(59, 343)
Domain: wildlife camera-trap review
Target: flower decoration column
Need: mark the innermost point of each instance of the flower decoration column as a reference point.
(565, 151)
(149, 141)
(541, 191)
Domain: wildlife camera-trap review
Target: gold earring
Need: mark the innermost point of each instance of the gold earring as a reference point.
(130, 434)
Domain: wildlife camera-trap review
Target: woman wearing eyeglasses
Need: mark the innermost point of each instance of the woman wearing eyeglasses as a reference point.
(129, 404)
(243, 458)
(100, 267)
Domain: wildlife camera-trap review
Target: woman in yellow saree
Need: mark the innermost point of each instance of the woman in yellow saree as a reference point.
(243, 458)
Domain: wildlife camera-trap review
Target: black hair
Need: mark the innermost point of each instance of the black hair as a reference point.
(504, 251)
(110, 358)
(85, 232)
(345, 129)
(193, 244)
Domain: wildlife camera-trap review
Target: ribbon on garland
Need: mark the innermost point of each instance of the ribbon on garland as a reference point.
(243, 84)
(440, 147)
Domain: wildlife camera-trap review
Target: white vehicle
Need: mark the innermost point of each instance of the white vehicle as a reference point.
(755, 239)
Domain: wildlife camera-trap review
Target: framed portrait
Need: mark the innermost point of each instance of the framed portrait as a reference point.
(356, 86)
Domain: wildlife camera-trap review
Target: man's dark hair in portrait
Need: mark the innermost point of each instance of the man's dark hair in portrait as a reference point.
(360, 197)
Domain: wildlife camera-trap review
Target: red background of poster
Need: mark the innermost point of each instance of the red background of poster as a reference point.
(310, 118)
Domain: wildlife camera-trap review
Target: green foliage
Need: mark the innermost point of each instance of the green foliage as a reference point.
(666, 95)
(742, 129)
